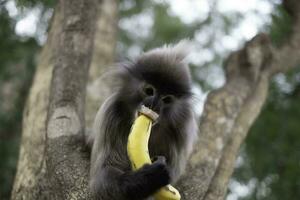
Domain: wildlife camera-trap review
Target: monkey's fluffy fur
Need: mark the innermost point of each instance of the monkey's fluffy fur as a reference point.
(166, 73)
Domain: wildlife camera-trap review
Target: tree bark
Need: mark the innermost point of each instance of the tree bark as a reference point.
(53, 162)
(66, 163)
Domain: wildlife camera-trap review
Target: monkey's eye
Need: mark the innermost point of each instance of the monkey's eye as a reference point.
(168, 99)
(149, 90)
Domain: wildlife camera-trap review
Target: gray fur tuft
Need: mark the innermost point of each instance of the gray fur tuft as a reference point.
(172, 53)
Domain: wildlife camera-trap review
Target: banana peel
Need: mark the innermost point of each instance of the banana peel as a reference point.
(137, 149)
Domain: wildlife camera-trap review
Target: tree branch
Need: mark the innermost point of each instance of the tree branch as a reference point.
(103, 56)
(213, 160)
(248, 113)
(283, 59)
(221, 110)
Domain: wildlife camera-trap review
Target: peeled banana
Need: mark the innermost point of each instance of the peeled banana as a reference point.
(137, 148)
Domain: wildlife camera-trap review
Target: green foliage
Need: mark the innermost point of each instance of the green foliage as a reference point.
(272, 150)
(129, 8)
(166, 28)
(281, 26)
(16, 71)
(32, 3)
(272, 147)
(8, 155)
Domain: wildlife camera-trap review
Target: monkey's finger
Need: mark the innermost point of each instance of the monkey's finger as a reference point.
(160, 159)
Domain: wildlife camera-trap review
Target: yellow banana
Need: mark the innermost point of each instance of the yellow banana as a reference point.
(137, 148)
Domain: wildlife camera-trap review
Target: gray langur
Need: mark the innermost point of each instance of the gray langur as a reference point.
(159, 79)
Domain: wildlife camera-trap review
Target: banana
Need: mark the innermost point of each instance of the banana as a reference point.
(137, 149)
(167, 193)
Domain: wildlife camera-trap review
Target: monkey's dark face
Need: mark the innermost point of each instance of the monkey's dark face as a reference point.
(160, 81)
(161, 92)
(155, 99)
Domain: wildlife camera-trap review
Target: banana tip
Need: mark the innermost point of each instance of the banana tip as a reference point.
(149, 113)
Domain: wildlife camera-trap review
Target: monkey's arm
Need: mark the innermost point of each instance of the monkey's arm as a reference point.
(112, 184)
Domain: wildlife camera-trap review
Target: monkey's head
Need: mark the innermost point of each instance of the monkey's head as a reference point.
(160, 80)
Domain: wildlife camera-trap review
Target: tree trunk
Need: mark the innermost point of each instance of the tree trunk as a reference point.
(53, 163)
(31, 166)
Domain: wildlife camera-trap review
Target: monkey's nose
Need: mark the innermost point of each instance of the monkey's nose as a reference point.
(151, 103)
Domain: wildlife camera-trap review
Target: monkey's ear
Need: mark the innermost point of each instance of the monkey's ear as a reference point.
(181, 50)
(174, 53)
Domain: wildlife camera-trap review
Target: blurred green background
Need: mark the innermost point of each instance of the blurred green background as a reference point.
(268, 167)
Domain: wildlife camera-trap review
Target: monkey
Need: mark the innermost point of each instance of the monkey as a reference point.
(160, 80)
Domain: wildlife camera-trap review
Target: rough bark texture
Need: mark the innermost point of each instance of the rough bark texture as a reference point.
(66, 162)
(54, 167)
(54, 164)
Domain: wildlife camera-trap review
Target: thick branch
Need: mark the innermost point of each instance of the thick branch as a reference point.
(248, 113)
(256, 62)
(220, 113)
(283, 59)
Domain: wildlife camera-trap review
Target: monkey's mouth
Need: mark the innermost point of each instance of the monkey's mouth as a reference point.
(148, 112)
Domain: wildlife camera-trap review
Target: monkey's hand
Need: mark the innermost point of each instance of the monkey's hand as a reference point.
(161, 175)
(138, 153)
